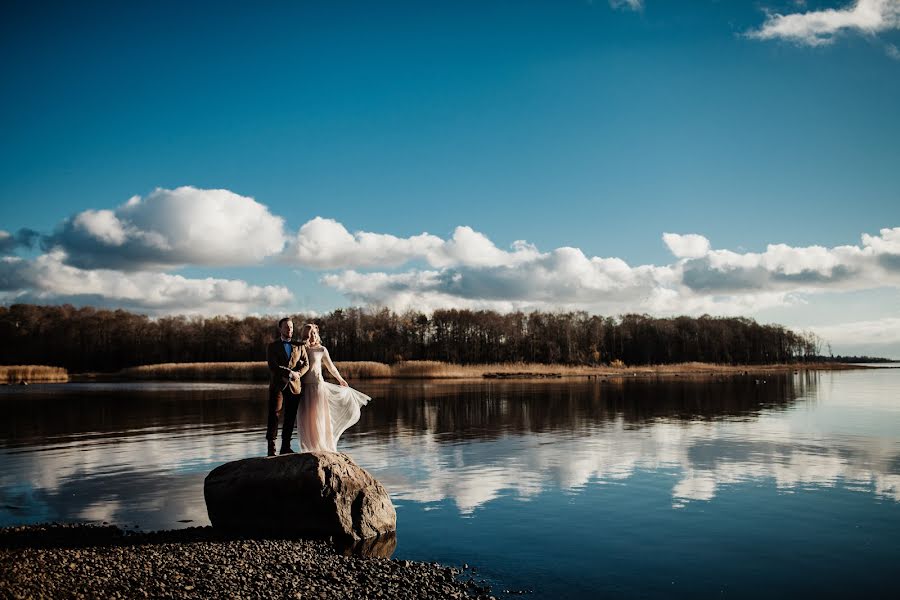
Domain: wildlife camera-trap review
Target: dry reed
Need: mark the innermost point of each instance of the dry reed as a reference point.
(212, 371)
(363, 369)
(430, 369)
(242, 371)
(33, 374)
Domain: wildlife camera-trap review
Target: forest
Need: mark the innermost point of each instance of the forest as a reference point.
(96, 340)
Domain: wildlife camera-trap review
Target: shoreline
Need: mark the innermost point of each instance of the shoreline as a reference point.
(254, 372)
(88, 560)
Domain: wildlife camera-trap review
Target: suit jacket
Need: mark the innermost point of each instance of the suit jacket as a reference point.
(298, 362)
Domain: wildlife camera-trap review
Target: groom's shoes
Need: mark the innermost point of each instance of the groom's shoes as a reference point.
(271, 448)
(286, 450)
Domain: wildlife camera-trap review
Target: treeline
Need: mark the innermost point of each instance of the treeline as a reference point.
(89, 339)
(853, 359)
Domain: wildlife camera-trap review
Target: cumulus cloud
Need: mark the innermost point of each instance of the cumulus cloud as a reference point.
(110, 256)
(326, 244)
(186, 225)
(556, 279)
(784, 268)
(819, 27)
(701, 280)
(472, 248)
(48, 278)
(686, 246)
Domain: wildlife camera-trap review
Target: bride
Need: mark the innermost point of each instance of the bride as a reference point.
(326, 410)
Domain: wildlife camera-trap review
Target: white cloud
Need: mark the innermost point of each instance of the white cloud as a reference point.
(326, 244)
(472, 248)
(186, 225)
(818, 27)
(553, 280)
(101, 225)
(702, 280)
(48, 279)
(888, 242)
(189, 226)
(783, 268)
(686, 246)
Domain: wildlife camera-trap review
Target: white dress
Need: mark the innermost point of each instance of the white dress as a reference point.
(326, 410)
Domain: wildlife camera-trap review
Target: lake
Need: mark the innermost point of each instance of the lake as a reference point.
(656, 488)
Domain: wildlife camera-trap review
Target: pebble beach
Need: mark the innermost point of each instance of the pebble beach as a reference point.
(93, 561)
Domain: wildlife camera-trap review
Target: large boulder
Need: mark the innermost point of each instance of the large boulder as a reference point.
(313, 494)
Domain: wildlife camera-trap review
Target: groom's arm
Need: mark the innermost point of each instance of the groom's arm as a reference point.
(274, 368)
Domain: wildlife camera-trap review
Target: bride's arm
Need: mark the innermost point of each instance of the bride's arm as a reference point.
(326, 359)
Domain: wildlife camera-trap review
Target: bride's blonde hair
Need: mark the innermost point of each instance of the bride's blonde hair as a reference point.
(305, 334)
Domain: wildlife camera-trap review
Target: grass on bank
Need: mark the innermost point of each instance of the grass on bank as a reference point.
(428, 369)
(216, 371)
(32, 374)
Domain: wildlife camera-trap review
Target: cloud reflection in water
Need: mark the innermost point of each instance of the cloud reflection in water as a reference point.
(139, 455)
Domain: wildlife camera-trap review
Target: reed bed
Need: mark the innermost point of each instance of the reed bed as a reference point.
(431, 369)
(698, 368)
(33, 374)
(211, 371)
(363, 369)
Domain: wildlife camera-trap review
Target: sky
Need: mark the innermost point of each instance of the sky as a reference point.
(622, 156)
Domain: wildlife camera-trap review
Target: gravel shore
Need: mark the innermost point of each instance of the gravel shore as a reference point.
(92, 561)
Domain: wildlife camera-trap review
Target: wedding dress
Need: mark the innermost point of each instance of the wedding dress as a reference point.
(326, 410)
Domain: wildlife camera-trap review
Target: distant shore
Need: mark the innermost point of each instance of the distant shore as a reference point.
(414, 369)
(93, 561)
(257, 371)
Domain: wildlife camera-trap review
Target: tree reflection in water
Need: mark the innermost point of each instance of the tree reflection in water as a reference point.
(138, 452)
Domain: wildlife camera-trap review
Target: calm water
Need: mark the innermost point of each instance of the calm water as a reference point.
(675, 488)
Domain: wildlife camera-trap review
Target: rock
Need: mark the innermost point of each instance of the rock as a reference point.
(313, 494)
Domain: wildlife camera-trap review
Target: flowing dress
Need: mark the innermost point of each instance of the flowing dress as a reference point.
(326, 410)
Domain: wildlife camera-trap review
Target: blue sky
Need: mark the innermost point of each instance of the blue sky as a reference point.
(597, 126)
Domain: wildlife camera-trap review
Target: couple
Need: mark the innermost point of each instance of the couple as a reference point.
(323, 411)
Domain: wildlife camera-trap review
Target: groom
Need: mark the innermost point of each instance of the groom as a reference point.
(287, 364)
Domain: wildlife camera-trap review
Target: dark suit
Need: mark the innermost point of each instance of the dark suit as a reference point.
(284, 393)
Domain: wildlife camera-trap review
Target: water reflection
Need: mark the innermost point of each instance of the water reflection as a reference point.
(138, 454)
(485, 410)
(38, 414)
(380, 547)
(532, 438)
